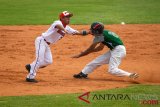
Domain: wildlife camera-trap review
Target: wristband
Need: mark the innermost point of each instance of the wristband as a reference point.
(84, 32)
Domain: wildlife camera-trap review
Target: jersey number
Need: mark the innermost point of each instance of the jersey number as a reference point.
(112, 33)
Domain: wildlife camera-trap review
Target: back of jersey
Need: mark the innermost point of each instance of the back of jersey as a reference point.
(111, 39)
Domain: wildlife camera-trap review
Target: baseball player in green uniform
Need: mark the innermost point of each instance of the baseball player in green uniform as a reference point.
(113, 57)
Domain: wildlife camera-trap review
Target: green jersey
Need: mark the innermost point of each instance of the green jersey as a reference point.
(110, 39)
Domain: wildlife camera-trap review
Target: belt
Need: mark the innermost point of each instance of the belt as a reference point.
(47, 42)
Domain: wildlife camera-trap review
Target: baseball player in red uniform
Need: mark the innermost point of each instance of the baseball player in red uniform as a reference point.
(113, 57)
(42, 44)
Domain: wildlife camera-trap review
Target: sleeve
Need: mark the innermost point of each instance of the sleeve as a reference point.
(71, 30)
(98, 39)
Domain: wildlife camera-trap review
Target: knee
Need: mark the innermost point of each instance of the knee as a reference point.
(44, 64)
(41, 63)
(48, 62)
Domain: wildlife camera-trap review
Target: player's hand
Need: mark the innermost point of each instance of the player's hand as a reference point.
(75, 56)
(89, 32)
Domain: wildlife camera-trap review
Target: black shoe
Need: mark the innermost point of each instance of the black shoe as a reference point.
(80, 75)
(28, 67)
(31, 80)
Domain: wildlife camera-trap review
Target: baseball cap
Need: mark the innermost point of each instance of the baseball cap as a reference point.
(64, 14)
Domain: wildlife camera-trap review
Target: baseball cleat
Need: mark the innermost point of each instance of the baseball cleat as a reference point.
(31, 80)
(28, 67)
(134, 75)
(80, 75)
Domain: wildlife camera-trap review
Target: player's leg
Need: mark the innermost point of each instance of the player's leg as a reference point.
(103, 59)
(40, 51)
(47, 57)
(116, 57)
(90, 67)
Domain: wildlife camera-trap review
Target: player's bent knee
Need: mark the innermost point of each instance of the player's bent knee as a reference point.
(43, 64)
(49, 62)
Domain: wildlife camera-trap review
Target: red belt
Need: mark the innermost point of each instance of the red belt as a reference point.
(47, 42)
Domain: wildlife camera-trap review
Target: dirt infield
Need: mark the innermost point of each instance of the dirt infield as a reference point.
(17, 49)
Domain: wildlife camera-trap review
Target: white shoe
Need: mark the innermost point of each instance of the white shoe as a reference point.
(134, 75)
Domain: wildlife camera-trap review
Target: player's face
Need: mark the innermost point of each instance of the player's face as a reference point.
(66, 20)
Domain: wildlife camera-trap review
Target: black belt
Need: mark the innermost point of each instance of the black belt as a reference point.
(47, 42)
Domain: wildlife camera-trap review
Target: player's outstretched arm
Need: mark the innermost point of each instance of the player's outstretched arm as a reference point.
(76, 32)
(83, 32)
(90, 49)
(60, 28)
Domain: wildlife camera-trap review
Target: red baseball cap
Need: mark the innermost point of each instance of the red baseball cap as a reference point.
(64, 14)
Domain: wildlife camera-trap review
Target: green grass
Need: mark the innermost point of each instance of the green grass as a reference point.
(22, 12)
(71, 100)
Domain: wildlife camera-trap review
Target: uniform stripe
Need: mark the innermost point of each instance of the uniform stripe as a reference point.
(37, 58)
(95, 27)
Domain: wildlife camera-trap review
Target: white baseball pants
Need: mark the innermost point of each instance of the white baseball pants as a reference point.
(43, 57)
(113, 58)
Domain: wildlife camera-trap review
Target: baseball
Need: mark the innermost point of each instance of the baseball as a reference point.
(122, 23)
